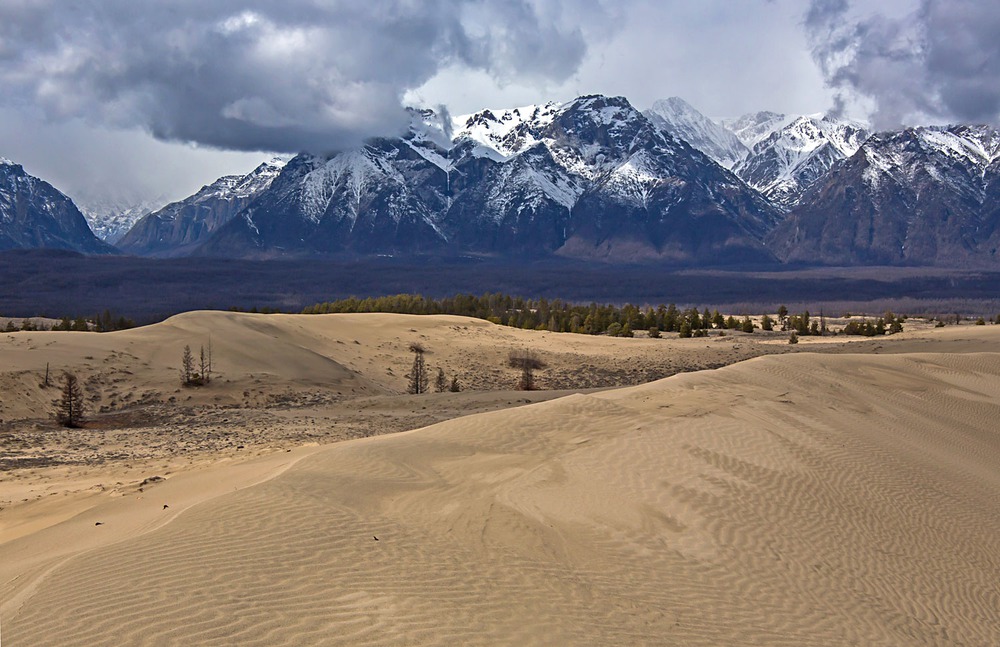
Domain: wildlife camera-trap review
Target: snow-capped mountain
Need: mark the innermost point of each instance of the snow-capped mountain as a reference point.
(785, 163)
(589, 178)
(110, 218)
(681, 120)
(179, 226)
(34, 214)
(927, 195)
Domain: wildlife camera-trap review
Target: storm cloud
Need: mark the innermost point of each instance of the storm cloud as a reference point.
(259, 75)
(938, 62)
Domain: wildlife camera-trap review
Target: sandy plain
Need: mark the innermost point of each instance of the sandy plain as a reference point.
(828, 493)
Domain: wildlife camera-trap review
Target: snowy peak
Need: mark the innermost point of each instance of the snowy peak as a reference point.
(429, 129)
(753, 127)
(231, 187)
(787, 162)
(110, 218)
(505, 132)
(680, 119)
(258, 179)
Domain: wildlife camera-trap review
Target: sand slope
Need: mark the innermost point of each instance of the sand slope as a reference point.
(795, 500)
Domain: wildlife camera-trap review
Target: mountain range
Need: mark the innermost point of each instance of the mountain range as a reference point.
(593, 178)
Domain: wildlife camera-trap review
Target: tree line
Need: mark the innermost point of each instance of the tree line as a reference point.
(543, 314)
(104, 322)
(595, 319)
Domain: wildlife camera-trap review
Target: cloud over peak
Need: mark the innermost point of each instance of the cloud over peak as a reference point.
(940, 61)
(258, 75)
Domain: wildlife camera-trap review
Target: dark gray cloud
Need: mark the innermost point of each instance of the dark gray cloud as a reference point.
(940, 61)
(262, 75)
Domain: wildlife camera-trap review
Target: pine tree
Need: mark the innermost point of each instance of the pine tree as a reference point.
(203, 372)
(454, 388)
(418, 374)
(187, 366)
(440, 383)
(70, 405)
(528, 362)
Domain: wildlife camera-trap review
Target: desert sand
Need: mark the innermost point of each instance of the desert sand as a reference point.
(830, 494)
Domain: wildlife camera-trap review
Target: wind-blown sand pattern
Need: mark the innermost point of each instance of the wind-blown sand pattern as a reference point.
(793, 500)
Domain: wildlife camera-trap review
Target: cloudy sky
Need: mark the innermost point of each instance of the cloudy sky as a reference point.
(145, 98)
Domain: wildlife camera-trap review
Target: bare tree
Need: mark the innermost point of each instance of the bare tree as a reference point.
(528, 362)
(205, 368)
(418, 374)
(70, 405)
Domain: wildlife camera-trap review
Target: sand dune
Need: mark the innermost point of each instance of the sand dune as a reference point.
(280, 381)
(796, 500)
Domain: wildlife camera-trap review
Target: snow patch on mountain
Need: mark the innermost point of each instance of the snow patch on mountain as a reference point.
(110, 222)
(348, 172)
(680, 119)
(754, 127)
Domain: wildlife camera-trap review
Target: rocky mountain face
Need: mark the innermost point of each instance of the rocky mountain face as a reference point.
(926, 195)
(683, 121)
(180, 226)
(33, 214)
(785, 163)
(593, 178)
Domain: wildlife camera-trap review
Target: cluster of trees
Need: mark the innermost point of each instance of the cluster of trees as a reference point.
(805, 324)
(801, 324)
(889, 323)
(104, 322)
(418, 379)
(542, 314)
(198, 374)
